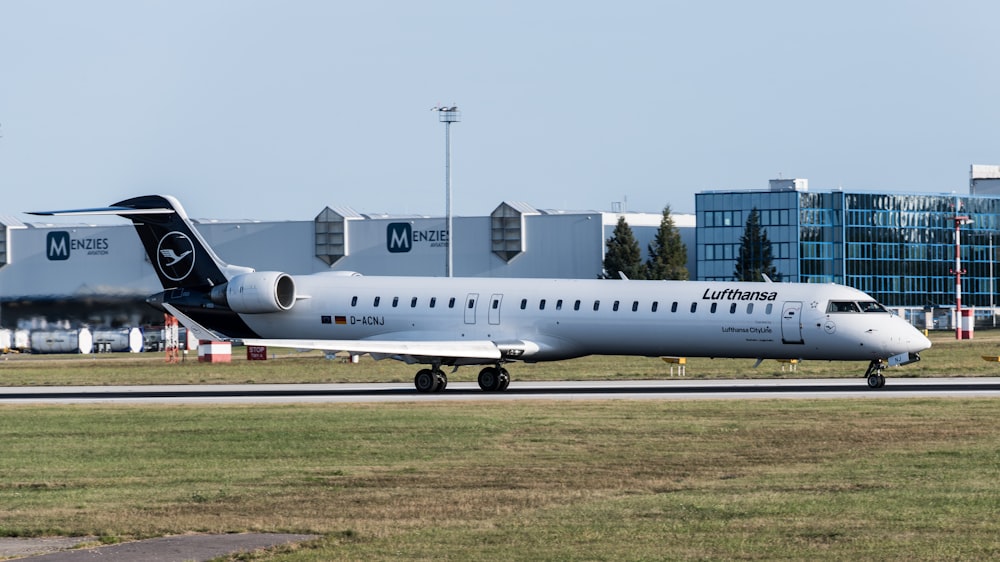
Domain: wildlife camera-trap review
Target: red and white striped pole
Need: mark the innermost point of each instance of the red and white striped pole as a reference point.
(960, 333)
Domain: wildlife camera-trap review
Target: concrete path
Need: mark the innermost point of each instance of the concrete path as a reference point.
(179, 548)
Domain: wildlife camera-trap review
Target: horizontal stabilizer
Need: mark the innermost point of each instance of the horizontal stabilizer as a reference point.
(121, 211)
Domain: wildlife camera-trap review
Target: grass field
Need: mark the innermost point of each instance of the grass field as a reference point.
(875, 479)
(617, 480)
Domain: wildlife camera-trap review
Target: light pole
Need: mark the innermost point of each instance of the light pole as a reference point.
(993, 308)
(960, 334)
(448, 115)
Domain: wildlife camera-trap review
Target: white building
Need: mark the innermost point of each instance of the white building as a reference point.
(99, 274)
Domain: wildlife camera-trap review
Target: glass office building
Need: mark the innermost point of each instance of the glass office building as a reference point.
(899, 248)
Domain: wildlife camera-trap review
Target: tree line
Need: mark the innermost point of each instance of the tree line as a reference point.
(667, 254)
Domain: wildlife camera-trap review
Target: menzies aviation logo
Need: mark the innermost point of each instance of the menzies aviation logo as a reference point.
(59, 245)
(175, 256)
(400, 237)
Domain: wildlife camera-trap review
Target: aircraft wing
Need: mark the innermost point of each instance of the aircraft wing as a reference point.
(464, 349)
(409, 348)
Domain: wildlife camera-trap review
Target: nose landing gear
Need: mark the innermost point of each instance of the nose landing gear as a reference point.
(874, 374)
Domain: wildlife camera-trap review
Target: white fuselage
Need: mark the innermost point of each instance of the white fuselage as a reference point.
(548, 319)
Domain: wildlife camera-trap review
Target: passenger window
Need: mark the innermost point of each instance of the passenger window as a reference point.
(524, 304)
(354, 301)
(495, 305)
(559, 304)
(715, 305)
(768, 308)
(694, 307)
(655, 306)
(541, 304)
(576, 305)
(434, 301)
(749, 308)
(375, 304)
(635, 306)
(451, 302)
(395, 302)
(615, 306)
(472, 304)
(732, 308)
(597, 305)
(413, 302)
(673, 307)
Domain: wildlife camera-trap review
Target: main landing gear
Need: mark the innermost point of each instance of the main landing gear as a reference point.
(874, 374)
(491, 379)
(494, 379)
(430, 380)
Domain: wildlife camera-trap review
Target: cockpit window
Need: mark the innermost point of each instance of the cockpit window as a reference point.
(851, 306)
(843, 306)
(872, 306)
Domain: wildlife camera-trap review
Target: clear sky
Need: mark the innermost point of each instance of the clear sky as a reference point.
(274, 110)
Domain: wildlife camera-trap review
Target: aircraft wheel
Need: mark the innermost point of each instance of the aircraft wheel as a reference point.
(489, 379)
(425, 381)
(876, 381)
(881, 381)
(504, 380)
(442, 380)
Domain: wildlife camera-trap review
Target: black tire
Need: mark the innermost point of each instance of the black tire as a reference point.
(442, 380)
(489, 379)
(504, 380)
(425, 381)
(873, 380)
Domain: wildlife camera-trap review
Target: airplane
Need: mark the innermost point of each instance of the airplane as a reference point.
(437, 322)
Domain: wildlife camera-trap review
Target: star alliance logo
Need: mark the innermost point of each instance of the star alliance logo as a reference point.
(175, 256)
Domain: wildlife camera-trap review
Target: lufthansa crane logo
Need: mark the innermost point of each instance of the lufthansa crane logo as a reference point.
(175, 256)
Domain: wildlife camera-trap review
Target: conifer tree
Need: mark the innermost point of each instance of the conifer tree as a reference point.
(623, 254)
(755, 259)
(667, 253)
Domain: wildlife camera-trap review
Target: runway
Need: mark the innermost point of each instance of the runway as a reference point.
(404, 392)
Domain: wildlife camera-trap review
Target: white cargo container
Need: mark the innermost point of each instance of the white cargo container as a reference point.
(120, 340)
(62, 341)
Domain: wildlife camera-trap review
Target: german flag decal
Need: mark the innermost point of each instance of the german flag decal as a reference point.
(341, 319)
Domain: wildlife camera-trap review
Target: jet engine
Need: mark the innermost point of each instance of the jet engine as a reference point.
(256, 293)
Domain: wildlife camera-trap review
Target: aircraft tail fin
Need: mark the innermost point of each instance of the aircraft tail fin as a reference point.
(180, 256)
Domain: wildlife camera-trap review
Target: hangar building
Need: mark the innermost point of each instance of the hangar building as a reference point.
(99, 274)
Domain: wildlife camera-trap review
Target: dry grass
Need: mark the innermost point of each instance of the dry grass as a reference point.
(601, 480)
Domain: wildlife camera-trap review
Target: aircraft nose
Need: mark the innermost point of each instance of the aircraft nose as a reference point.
(915, 340)
(920, 342)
